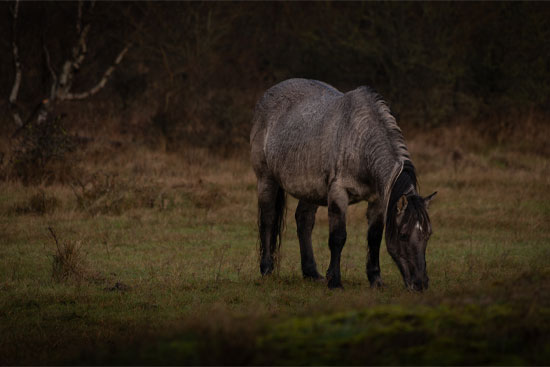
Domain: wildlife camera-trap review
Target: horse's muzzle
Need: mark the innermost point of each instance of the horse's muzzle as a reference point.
(415, 277)
(418, 284)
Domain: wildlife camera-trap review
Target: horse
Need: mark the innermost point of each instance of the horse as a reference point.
(334, 149)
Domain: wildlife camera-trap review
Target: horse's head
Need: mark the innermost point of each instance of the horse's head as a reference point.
(407, 235)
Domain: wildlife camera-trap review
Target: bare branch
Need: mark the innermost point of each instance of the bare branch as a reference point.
(53, 89)
(78, 52)
(80, 49)
(17, 64)
(102, 82)
(70, 66)
(79, 17)
(15, 50)
(81, 13)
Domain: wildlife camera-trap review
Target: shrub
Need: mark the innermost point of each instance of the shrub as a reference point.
(41, 153)
(39, 203)
(104, 193)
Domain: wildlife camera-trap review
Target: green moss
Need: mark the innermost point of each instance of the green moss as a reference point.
(439, 335)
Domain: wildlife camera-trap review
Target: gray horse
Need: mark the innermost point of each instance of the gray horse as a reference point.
(334, 149)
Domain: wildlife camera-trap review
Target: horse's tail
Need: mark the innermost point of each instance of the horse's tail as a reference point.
(278, 229)
(280, 214)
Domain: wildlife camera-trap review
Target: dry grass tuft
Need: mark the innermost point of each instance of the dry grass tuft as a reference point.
(69, 262)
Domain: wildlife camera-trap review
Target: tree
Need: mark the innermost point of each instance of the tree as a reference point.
(61, 87)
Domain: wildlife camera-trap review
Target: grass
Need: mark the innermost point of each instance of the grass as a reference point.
(164, 248)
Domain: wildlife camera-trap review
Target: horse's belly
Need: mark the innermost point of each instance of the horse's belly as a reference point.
(315, 190)
(310, 188)
(300, 166)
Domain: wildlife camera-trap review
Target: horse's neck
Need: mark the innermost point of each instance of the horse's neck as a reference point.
(384, 159)
(389, 184)
(402, 182)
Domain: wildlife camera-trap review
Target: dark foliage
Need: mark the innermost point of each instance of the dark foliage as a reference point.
(39, 204)
(196, 69)
(40, 152)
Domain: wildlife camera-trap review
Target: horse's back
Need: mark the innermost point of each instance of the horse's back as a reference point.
(298, 89)
(285, 95)
(292, 131)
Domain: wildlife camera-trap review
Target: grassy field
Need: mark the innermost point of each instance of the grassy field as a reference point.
(152, 258)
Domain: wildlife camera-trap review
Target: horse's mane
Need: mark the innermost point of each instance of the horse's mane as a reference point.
(406, 184)
(379, 106)
(386, 148)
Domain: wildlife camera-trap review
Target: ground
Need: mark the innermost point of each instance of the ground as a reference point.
(152, 258)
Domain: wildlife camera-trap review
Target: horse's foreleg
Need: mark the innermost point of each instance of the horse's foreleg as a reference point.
(374, 238)
(305, 220)
(267, 222)
(337, 206)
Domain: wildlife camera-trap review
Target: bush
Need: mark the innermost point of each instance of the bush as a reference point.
(41, 152)
(104, 193)
(39, 203)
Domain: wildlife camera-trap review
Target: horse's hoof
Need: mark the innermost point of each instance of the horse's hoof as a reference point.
(266, 268)
(266, 272)
(314, 277)
(335, 285)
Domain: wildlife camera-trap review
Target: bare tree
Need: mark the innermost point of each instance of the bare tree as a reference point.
(61, 88)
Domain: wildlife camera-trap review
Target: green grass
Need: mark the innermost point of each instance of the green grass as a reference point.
(170, 272)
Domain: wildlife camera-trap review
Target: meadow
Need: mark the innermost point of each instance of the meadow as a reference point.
(149, 257)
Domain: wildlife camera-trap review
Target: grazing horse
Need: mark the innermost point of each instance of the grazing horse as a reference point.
(329, 148)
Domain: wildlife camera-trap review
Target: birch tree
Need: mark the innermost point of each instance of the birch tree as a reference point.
(62, 81)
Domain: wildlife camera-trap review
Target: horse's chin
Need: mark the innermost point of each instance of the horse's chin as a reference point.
(416, 281)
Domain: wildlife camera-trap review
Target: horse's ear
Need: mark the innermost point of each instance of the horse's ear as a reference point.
(402, 204)
(429, 198)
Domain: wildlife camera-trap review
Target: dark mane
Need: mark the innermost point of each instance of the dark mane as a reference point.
(406, 184)
(403, 184)
(386, 121)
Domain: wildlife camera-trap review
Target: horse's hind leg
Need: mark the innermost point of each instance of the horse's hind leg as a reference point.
(305, 220)
(270, 211)
(337, 207)
(374, 238)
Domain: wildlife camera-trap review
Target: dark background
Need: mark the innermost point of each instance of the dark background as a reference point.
(195, 70)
